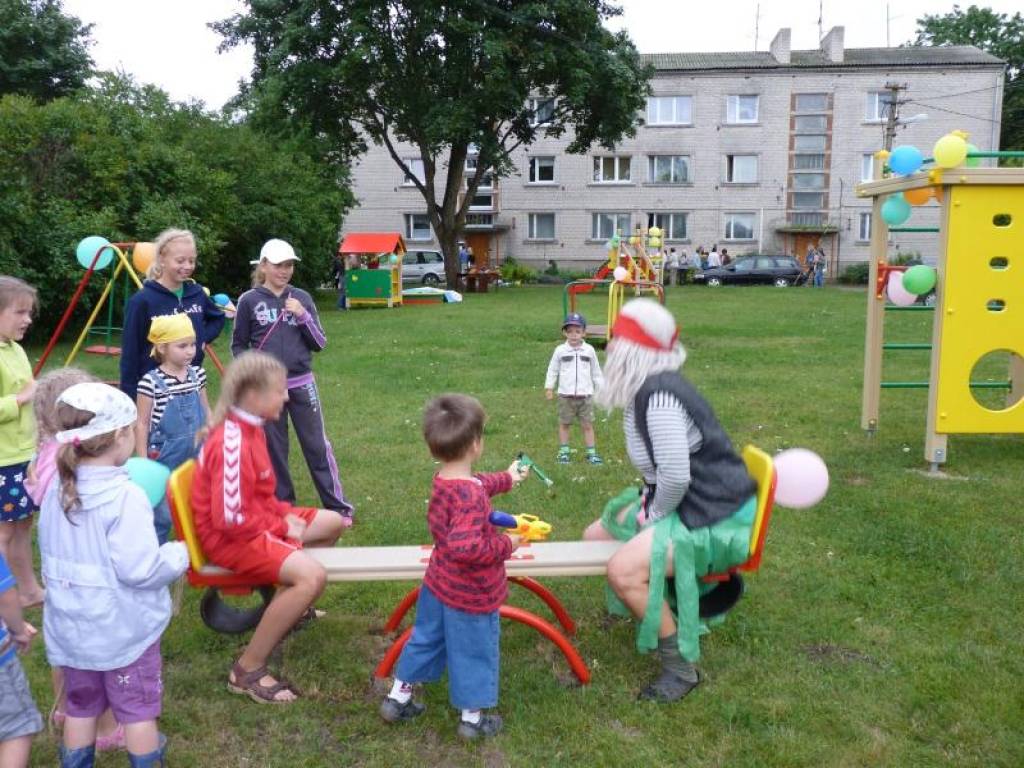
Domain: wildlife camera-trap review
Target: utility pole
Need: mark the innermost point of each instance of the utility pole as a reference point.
(892, 122)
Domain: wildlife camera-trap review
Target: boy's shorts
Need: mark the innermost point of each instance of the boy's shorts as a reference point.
(572, 408)
(133, 692)
(15, 503)
(18, 714)
(261, 557)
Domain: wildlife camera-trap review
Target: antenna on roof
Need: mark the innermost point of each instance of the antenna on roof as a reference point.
(820, 14)
(757, 24)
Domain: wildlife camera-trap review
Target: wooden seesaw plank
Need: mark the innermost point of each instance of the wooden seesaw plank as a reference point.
(409, 563)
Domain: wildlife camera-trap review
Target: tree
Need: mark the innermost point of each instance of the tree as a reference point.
(43, 51)
(996, 33)
(453, 77)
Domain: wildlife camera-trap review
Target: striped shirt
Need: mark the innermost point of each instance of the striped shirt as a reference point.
(175, 388)
(674, 437)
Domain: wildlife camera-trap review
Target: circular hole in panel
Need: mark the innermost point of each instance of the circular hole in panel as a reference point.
(995, 305)
(1002, 219)
(994, 370)
(999, 262)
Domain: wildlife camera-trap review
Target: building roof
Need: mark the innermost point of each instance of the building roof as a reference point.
(372, 242)
(912, 56)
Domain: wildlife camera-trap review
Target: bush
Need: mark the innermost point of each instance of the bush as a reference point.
(855, 274)
(512, 271)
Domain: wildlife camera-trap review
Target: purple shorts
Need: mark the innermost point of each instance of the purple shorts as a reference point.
(133, 692)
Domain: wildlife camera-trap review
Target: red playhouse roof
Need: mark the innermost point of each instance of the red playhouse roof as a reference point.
(372, 242)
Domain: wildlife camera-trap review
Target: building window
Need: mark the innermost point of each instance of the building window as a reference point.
(668, 169)
(808, 162)
(541, 226)
(605, 225)
(810, 124)
(416, 167)
(611, 169)
(669, 110)
(864, 226)
(479, 220)
(542, 111)
(813, 200)
(417, 227)
(867, 167)
(739, 226)
(809, 143)
(808, 181)
(808, 219)
(741, 109)
(542, 170)
(482, 201)
(672, 225)
(878, 105)
(741, 169)
(811, 102)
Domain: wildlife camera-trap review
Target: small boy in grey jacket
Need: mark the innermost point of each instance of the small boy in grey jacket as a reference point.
(575, 368)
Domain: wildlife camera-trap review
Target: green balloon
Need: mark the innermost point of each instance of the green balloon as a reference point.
(919, 280)
(972, 162)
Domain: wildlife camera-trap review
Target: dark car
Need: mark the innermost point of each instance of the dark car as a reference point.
(779, 271)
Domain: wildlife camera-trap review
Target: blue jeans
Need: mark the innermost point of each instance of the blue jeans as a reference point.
(467, 643)
(819, 278)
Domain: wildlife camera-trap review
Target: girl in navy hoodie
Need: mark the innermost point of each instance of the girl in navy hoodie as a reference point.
(169, 289)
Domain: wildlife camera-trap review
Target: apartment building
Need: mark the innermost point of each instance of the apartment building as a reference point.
(756, 152)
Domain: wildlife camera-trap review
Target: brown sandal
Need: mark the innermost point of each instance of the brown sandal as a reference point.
(248, 684)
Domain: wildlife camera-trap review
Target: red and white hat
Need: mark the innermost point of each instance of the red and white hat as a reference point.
(647, 323)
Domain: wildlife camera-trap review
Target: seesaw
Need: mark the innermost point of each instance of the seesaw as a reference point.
(408, 563)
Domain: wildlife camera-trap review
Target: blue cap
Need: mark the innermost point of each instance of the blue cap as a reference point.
(574, 318)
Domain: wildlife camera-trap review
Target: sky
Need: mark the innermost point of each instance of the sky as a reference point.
(169, 45)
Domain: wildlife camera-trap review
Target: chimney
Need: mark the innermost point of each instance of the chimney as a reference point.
(780, 46)
(832, 45)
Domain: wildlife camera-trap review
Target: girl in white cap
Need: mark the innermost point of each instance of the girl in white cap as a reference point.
(107, 602)
(697, 503)
(277, 318)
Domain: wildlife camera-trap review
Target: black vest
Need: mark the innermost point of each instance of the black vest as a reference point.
(719, 481)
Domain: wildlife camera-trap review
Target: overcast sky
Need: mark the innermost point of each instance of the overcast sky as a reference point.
(168, 43)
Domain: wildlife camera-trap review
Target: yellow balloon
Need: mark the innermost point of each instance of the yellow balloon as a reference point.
(142, 256)
(654, 232)
(950, 151)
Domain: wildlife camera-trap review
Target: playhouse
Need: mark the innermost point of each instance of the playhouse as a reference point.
(377, 281)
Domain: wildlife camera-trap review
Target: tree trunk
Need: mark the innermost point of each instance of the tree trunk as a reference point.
(447, 236)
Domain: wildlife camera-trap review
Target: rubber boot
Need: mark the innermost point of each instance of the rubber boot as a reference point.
(154, 759)
(82, 757)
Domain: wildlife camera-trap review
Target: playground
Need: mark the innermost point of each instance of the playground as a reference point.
(882, 628)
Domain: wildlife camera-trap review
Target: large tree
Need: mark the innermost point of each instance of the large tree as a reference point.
(998, 34)
(454, 78)
(43, 51)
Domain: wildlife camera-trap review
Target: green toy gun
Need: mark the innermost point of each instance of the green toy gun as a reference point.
(529, 463)
(530, 527)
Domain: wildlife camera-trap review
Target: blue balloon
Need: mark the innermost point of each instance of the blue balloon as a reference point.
(86, 252)
(895, 210)
(221, 299)
(151, 476)
(905, 160)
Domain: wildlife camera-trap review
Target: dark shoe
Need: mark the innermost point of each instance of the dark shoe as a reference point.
(563, 457)
(593, 458)
(668, 687)
(393, 712)
(489, 726)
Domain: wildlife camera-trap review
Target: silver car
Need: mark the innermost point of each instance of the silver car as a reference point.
(425, 267)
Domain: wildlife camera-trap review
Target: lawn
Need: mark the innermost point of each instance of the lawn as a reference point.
(884, 628)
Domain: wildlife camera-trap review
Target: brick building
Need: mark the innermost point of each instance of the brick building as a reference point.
(756, 152)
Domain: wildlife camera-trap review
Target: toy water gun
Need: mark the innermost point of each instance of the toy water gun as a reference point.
(530, 527)
(529, 463)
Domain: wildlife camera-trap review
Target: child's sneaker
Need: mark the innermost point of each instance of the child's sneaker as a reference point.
(393, 712)
(488, 726)
(593, 458)
(563, 456)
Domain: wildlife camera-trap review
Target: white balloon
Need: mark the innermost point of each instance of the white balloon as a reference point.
(621, 274)
(802, 478)
(899, 295)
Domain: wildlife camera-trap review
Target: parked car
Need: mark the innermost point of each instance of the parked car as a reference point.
(425, 267)
(779, 271)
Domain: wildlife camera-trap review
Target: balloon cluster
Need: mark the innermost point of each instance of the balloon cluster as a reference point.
(654, 235)
(904, 288)
(949, 152)
(801, 478)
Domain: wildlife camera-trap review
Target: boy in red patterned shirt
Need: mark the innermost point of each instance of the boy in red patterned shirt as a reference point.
(457, 622)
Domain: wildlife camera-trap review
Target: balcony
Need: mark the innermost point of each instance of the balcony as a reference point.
(805, 221)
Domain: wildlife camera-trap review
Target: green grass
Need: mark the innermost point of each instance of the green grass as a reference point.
(884, 627)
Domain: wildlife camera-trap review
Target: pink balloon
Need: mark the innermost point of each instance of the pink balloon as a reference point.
(899, 295)
(802, 478)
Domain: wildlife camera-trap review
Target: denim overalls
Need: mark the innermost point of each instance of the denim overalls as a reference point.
(172, 441)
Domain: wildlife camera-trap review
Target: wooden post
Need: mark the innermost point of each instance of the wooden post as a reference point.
(873, 333)
(935, 451)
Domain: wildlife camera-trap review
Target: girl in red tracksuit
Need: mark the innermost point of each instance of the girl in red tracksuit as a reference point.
(242, 525)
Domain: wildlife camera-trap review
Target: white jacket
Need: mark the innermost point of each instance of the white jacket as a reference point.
(106, 576)
(576, 370)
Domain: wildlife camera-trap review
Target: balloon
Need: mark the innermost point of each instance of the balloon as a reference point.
(151, 476)
(621, 274)
(221, 299)
(918, 196)
(142, 256)
(86, 252)
(895, 210)
(634, 239)
(972, 162)
(950, 151)
(919, 280)
(654, 242)
(802, 478)
(899, 295)
(654, 232)
(610, 245)
(206, 290)
(905, 160)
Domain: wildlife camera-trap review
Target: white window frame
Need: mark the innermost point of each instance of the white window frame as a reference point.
(618, 222)
(532, 219)
(730, 225)
(864, 226)
(874, 112)
(652, 164)
(670, 110)
(730, 168)
(410, 231)
(867, 166)
(622, 163)
(415, 164)
(733, 108)
(535, 106)
(667, 221)
(533, 167)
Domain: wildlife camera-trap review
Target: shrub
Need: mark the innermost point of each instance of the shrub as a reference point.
(855, 274)
(512, 271)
